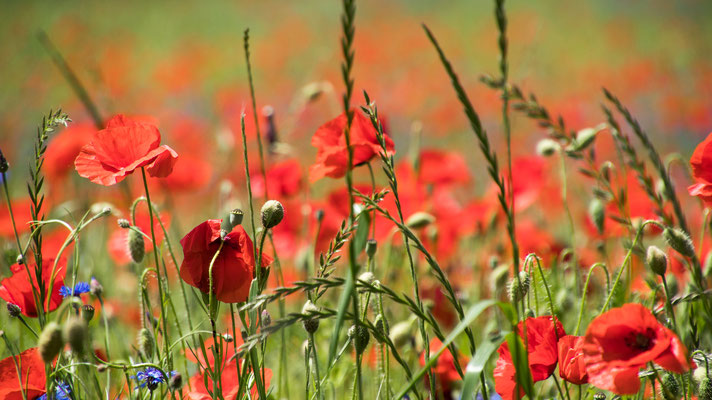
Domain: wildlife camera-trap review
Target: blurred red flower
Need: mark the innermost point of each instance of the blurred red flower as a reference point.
(32, 376)
(284, 179)
(65, 147)
(332, 156)
(119, 238)
(228, 351)
(233, 269)
(445, 372)
(229, 382)
(701, 163)
(22, 211)
(17, 289)
(623, 340)
(542, 337)
(439, 167)
(571, 364)
(122, 147)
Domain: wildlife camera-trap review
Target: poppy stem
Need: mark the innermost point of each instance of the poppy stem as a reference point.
(212, 311)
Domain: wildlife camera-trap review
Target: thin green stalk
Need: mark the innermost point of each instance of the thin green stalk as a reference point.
(585, 291)
(246, 40)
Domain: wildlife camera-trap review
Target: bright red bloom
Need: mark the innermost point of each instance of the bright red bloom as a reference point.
(442, 168)
(32, 376)
(17, 289)
(572, 367)
(284, 179)
(229, 381)
(233, 269)
(701, 163)
(332, 156)
(622, 341)
(121, 148)
(22, 211)
(445, 372)
(541, 341)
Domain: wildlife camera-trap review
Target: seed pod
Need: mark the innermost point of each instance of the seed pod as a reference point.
(381, 325)
(419, 220)
(657, 260)
(272, 213)
(704, 391)
(670, 388)
(233, 219)
(359, 337)
(136, 245)
(76, 334)
(679, 241)
(597, 213)
(310, 324)
(518, 288)
(145, 342)
(371, 247)
(50, 342)
(87, 312)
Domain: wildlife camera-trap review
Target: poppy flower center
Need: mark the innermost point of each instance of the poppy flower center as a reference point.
(640, 340)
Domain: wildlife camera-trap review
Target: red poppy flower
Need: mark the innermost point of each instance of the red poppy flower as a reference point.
(233, 269)
(122, 147)
(22, 211)
(284, 179)
(229, 381)
(442, 168)
(17, 289)
(571, 364)
(445, 372)
(622, 341)
(228, 350)
(332, 156)
(542, 337)
(32, 376)
(702, 171)
(65, 147)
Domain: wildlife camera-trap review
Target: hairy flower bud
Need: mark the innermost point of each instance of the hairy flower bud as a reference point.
(670, 388)
(266, 318)
(705, 389)
(359, 337)
(657, 260)
(123, 223)
(679, 241)
(381, 325)
(145, 342)
(50, 342)
(87, 312)
(419, 220)
(371, 247)
(547, 147)
(272, 213)
(14, 310)
(76, 334)
(136, 245)
(310, 324)
(597, 213)
(401, 333)
(518, 288)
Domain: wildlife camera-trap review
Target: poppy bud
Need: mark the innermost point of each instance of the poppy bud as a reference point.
(419, 220)
(100, 368)
(75, 333)
(518, 288)
(704, 391)
(233, 219)
(310, 324)
(657, 260)
(367, 277)
(228, 338)
(95, 287)
(371, 247)
(599, 396)
(319, 215)
(4, 165)
(266, 318)
(272, 214)
(597, 213)
(123, 223)
(87, 312)
(547, 147)
(679, 241)
(14, 310)
(670, 388)
(564, 300)
(176, 382)
(606, 169)
(499, 277)
(401, 333)
(359, 337)
(20, 260)
(136, 245)
(50, 342)
(585, 137)
(145, 342)
(381, 325)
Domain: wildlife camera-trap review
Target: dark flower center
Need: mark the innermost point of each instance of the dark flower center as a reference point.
(641, 340)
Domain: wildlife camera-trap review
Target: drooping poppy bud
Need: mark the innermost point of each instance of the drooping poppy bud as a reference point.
(50, 342)
(272, 213)
(311, 324)
(136, 245)
(679, 241)
(657, 260)
(76, 334)
(359, 337)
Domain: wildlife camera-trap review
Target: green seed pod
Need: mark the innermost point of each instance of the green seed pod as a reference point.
(145, 342)
(518, 288)
(136, 245)
(704, 391)
(359, 337)
(381, 325)
(310, 324)
(76, 334)
(371, 247)
(597, 212)
(670, 388)
(233, 219)
(679, 241)
(50, 342)
(272, 213)
(419, 220)
(87, 313)
(657, 260)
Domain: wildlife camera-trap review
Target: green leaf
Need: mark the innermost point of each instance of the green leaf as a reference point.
(361, 236)
(476, 366)
(472, 313)
(344, 301)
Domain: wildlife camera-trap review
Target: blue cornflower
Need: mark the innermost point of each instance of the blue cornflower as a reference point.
(79, 288)
(61, 392)
(150, 377)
